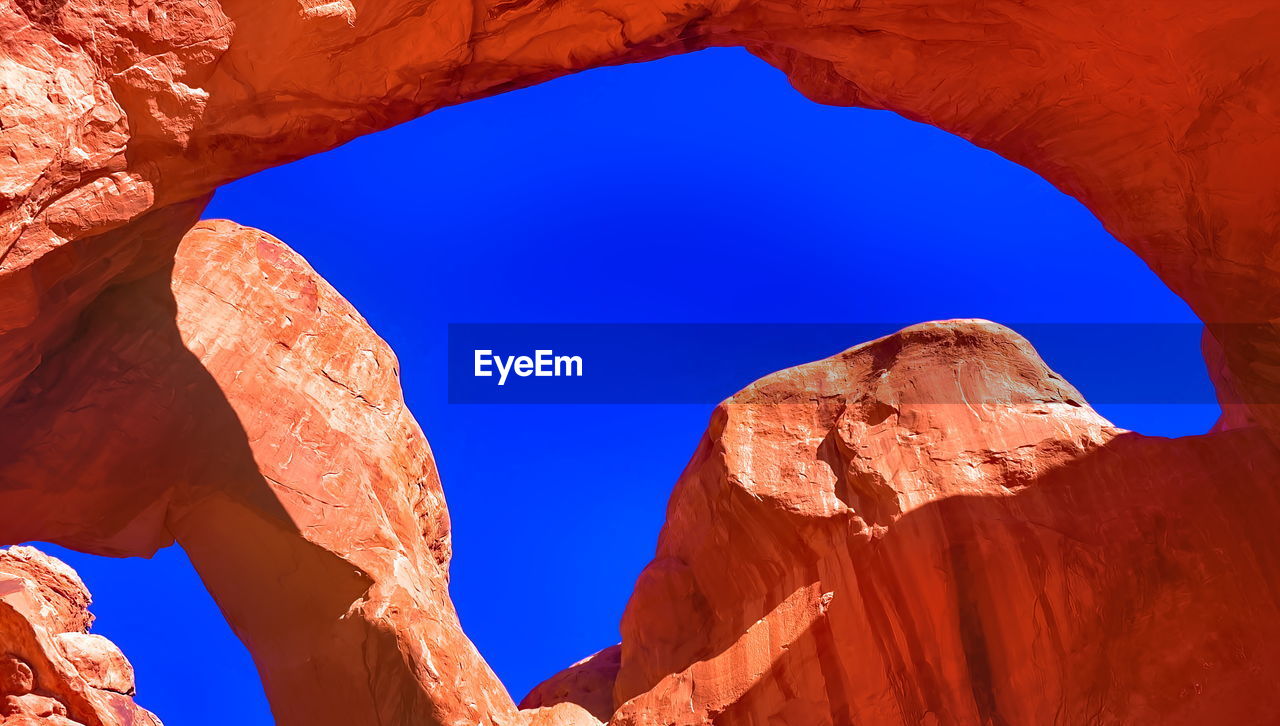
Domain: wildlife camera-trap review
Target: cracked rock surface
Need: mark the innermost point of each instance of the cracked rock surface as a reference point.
(52, 670)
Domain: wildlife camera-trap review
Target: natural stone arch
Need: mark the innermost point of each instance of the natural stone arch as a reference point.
(1163, 126)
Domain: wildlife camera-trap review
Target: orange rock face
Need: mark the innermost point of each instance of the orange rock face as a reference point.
(933, 528)
(263, 429)
(1161, 120)
(929, 529)
(587, 683)
(52, 671)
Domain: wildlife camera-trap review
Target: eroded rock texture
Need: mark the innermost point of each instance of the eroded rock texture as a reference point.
(1161, 118)
(587, 683)
(53, 672)
(933, 528)
(838, 551)
(238, 405)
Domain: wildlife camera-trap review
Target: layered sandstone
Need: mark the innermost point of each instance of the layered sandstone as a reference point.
(52, 670)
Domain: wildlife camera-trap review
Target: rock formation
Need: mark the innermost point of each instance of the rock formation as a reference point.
(587, 683)
(52, 670)
(1161, 120)
(263, 428)
(931, 528)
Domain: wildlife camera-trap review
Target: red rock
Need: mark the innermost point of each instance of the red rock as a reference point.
(47, 675)
(99, 662)
(561, 714)
(268, 436)
(935, 529)
(930, 526)
(587, 683)
(263, 428)
(46, 589)
(1160, 119)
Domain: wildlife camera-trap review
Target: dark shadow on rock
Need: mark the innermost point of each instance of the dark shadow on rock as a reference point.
(1138, 583)
(121, 442)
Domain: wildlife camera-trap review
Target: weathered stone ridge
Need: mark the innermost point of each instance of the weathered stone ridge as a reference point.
(52, 670)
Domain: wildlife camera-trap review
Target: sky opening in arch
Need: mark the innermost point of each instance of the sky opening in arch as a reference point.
(700, 188)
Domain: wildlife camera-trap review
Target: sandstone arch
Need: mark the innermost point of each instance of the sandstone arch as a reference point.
(1163, 126)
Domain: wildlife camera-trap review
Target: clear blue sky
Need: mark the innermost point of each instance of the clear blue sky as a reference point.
(700, 189)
